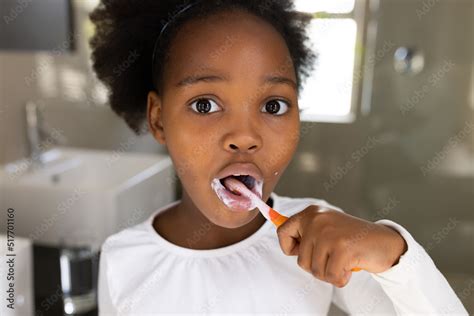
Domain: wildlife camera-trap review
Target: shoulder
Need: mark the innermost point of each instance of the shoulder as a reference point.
(126, 239)
(290, 205)
(125, 259)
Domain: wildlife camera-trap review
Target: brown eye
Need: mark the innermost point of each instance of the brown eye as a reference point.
(276, 107)
(203, 106)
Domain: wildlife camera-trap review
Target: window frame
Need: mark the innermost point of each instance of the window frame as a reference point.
(359, 15)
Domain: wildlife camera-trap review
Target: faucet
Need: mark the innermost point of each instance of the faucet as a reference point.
(40, 136)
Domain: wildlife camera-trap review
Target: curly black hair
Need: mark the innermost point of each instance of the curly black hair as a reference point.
(126, 30)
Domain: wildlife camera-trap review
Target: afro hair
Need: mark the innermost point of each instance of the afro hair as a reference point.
(126, 31)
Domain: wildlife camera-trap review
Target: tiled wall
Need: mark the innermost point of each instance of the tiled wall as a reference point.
(411, 174)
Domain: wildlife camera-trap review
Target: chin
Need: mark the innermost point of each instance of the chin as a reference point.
(227, 218)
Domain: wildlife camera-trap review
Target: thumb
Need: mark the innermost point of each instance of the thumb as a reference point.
(289, 235)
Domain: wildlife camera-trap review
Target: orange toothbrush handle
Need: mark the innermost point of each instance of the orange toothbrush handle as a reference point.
(279, 219)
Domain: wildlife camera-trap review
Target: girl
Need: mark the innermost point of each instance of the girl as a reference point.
(217, 83)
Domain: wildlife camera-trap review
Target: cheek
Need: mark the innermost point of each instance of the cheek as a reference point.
(192, 155)
(281, 145)
(182, 143)
(280, 156)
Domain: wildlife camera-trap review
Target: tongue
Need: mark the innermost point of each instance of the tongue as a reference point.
(237, 187)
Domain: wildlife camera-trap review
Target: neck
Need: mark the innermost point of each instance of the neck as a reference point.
(185, 223)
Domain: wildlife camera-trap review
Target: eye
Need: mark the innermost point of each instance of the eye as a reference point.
(204, 106)
(276, 107)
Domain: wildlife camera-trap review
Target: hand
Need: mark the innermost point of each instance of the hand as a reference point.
(330, 243)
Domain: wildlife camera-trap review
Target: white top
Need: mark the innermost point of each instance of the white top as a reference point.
(141, 273)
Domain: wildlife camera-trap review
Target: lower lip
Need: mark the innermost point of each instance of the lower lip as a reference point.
(236, 203)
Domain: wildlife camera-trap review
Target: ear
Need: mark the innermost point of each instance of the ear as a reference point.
(155, 116)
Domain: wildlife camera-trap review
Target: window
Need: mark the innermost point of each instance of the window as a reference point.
(330, 93)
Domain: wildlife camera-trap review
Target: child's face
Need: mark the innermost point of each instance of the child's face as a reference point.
(240, 122)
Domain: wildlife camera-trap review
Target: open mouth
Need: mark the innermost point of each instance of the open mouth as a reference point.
(233, 199)
(247, 180)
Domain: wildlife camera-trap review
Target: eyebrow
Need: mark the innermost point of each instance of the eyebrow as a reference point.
(270, 79)
(190, 80)
(280, 80)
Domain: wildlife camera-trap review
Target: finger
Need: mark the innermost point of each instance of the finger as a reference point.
(296, 249)
(289, 235)
(305, 255)
(355, 264)
(347, 277)
(289, 245)
(320, 257)
(336, 269)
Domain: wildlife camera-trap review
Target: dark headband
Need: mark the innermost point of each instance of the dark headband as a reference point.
(163, 29)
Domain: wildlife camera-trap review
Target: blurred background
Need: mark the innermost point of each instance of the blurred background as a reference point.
(387, 132)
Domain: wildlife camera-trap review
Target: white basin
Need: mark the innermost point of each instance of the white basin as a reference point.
(80, 196)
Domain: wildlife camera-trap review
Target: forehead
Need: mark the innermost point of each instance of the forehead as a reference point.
(234, 43)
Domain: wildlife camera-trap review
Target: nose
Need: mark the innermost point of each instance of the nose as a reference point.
(243, 142)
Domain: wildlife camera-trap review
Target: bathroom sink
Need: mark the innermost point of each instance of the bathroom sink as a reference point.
(78, 197)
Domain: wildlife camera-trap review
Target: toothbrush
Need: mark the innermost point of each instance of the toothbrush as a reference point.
(269, 213)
